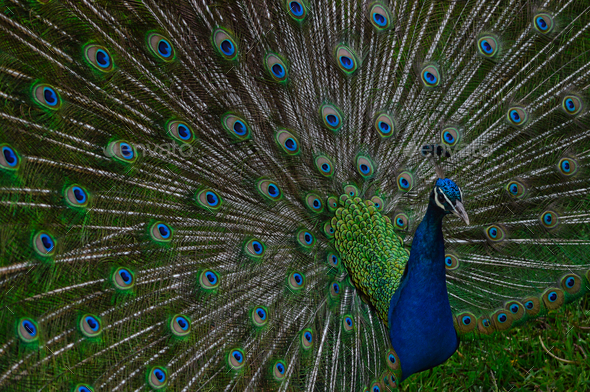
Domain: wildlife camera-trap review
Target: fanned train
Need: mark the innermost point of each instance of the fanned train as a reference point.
(251, 195)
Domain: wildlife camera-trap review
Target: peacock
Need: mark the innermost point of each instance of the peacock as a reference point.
(291, 195)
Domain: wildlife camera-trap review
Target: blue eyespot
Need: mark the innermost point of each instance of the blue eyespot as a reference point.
(273, 190)
(552, 296)
(486, 47)
(281, 368)
(379, 19)
(164, 48)
(493, 232)
(515, 116)
(103, 59)
(346, 62)
(227, 47)
(47, 242)
(298, 278)
(160, 375)
(308, 238)
(92, 323)
(325, 167)
(83, 389)
(391, 358)
(384, 127)
(182, 322)
(261, 313)
(565, 166)
(183, 132)
(377, 205)
(257, 246)
(400, 222)
(365, 169)
(29, 327)
(317, 203)
(212, 199)
(334, 260)
(163, 230)
(50, 96)
(529, 305)
(336, 288)
(278, 70)
(570, 282)
(211, 277)
(240, 128)
(348, 321)
(466, 320)
(376, 389)
(449, 138)
(486, 323)
(514, 189)
(291, 144)
(502, 318)
(404, 183)
(79, 194)
(296, 8)
(569, 105)
(126, 150)
(448, 261)
(9, 156)
(548, 219)
(332, 120)
(514, 308)
(429, 77)
(125, 275)
(307, 336)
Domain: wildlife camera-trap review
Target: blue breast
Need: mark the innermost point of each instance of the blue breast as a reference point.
(420, 319)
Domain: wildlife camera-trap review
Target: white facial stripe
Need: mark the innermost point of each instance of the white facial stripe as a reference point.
(461, 193)
(436, 198)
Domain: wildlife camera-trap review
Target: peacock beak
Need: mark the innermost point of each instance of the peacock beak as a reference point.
(460, 212)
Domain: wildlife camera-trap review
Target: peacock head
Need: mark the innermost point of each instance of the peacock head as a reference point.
(448, 196)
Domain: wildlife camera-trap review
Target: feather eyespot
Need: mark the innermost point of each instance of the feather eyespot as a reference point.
(346, 59)
(255, 248)
(516, 189)
(236, 126)
(27, 330)
(99, 57)
(332, 203)
(502, 320)
(180, 325)
(553, 298)
(392, 360)
(158, 377)
(494, 233)
(122, 151)
(305, 239)
(571, 105)
(269, 190)
(90, 326)
(334, 289)
(44, 244)
(209, 279)
(331, 117)
(543, 23)
(279, 369)
(380, 16)
(405, 181)
(488, 46)
(571, 284)
(76, 196)
(365, 166)
(160, 46)
(259, 316)
(225, 44)
(516, 309)
(314, 203)
(333, 260)
(451, 262)
(450, 136)
(549, 219)
(306, 339)
(296, 281)
(378, 203)
(517, 116)
(288, 142)
(568, 166)
(276, 68)
(46, 96)
(375, 387)
(161, 232)
(348, 323)
(466, 322)
(297, 9)
(181, 131)
(209, 200)
(324, 165)
(400, 221)
(384, 125)
(123, 279)
(83, 388)
(532, 306)
(351, 190)
(430, 76)
(328, 230)
(9, 159)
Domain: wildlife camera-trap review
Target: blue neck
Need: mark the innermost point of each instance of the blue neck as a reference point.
(420, 319)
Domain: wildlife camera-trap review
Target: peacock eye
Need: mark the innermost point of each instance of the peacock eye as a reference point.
(441, 198)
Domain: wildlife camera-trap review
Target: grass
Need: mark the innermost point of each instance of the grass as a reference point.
(516, 360)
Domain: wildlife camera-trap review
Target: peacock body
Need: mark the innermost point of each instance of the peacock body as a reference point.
(251, 195)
